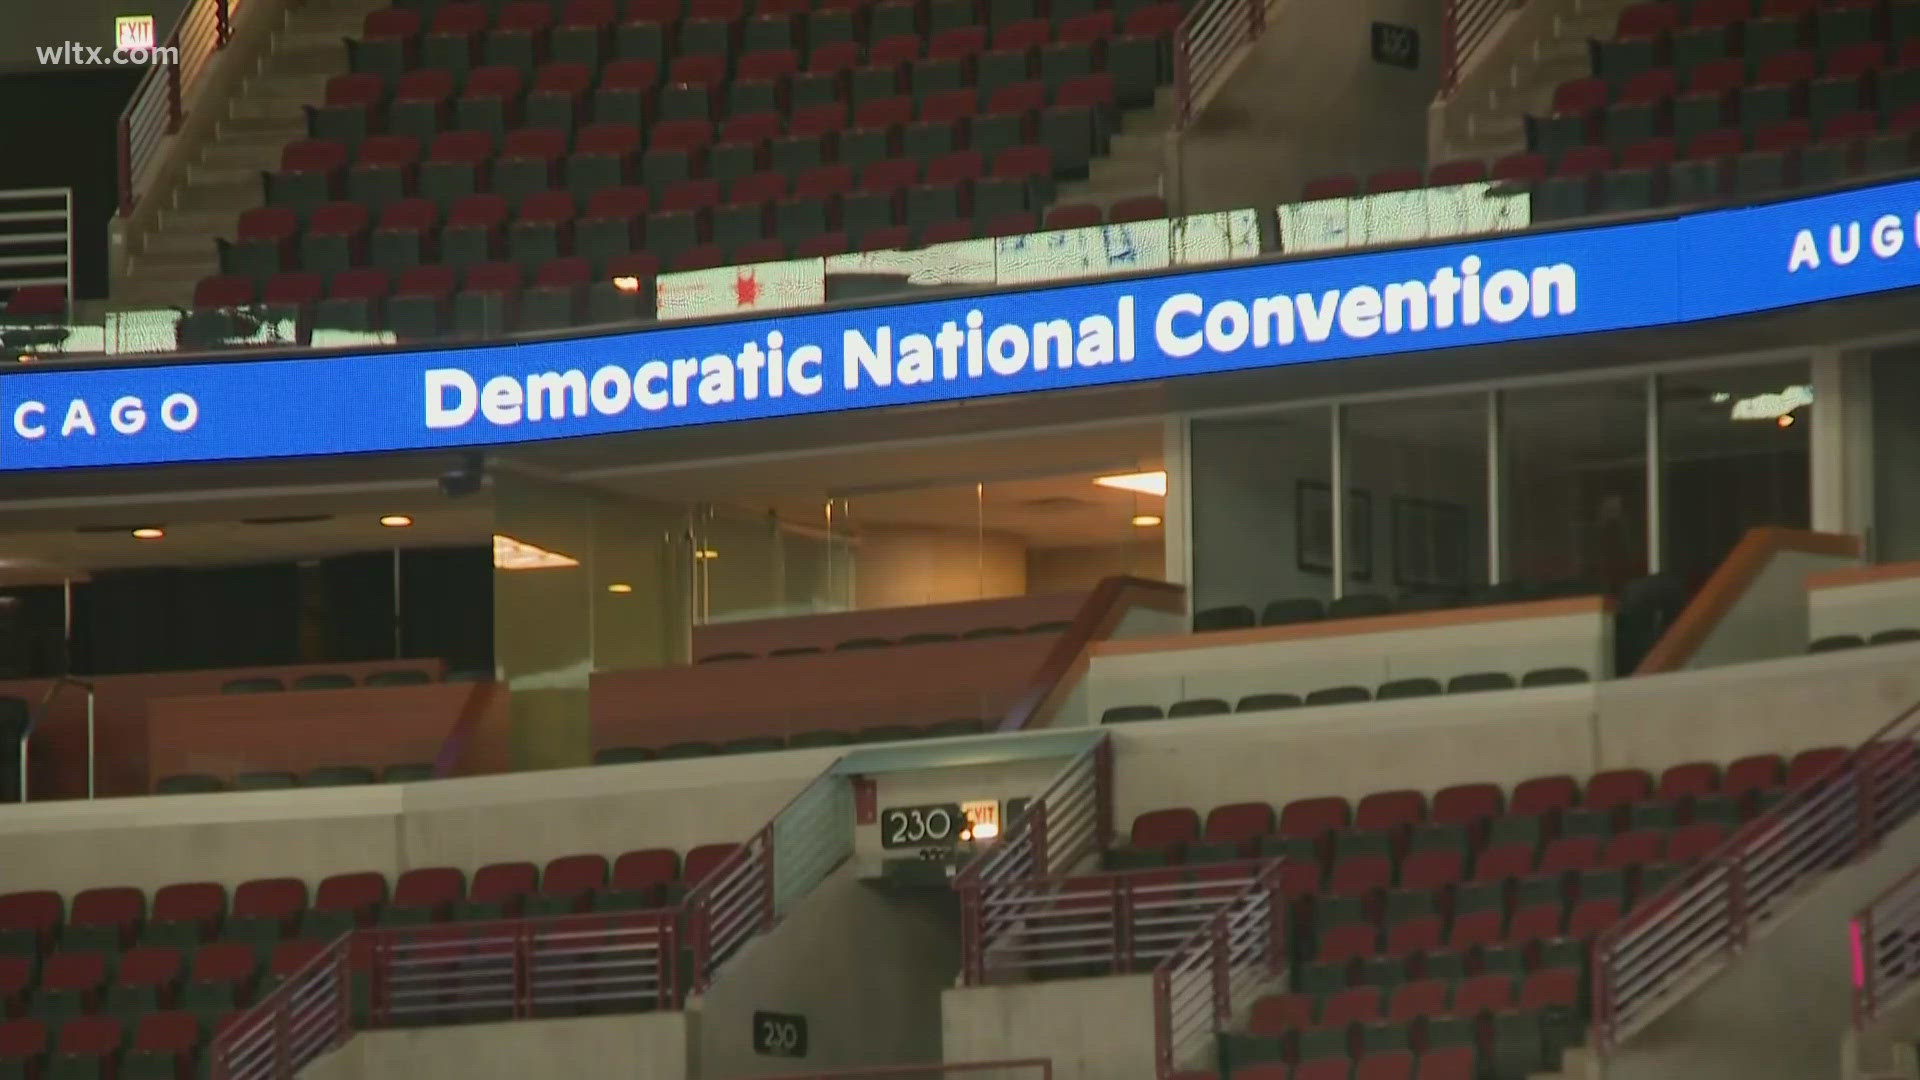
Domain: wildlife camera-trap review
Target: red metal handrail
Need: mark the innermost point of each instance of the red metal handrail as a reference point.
(160, 100)
(1243, 946)
(1714, 909)
(730, 905)
(1103, 924)
(1036, 1068)
(1885, 942)
(449, 973)
(1065, 824)
(1204, 46)
(1465, 26)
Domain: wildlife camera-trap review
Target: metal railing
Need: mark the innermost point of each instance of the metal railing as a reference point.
(752, 888)
(1021, 1069)
(1204, 45)
(1713, 911)
(1068, 822)
(159, 101)
(507, 969)
(36, 238)
(1885, 940)
(1241, 948)
(1465, 26)
(1106, 924)
(34, 718)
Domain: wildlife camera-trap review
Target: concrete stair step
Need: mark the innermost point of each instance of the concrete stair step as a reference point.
(253, 155)
(322, 57)
(229, 195)
(202, 223)
(179, 244)
(277, 130)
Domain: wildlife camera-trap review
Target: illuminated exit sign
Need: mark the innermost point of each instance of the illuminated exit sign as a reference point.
(133, 32)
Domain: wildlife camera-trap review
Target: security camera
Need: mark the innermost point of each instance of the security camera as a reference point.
(465, 480)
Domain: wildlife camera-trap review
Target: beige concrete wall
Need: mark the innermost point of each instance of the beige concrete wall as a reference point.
(1301, 665)
(1652, 722)
(1770, 618)
(1092, 1029)
(865, 968)
(650, 1045)
(1863, 608)
(231, 837)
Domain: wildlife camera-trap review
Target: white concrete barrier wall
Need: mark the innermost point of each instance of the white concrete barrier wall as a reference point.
(649, 1045)
(1513, 639)
(1864, 601)
(1092, 1029)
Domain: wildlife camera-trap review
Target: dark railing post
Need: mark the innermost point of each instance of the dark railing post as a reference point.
(522, 946)
(1037, 834)
(1276, 921)
(282, 1055)
(173, 87)
(123, 150)
(767, 912)
(1162, 1023)
(1183, 75)
(1122, 915)
(1737, 900)
(1450, 46)
(343, 988)
(222, 23)
(1222, 979)
(1256, 19)
(1867, 798)
(970, 934)
(1868, 955)
(1103, 793)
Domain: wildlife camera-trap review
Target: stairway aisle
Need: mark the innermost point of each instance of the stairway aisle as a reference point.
(224, 180)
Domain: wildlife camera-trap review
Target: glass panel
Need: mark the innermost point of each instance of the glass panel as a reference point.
(1262, 513)
(1416, 510)
(1896, 455)
(1575, 477)
(1734, 446)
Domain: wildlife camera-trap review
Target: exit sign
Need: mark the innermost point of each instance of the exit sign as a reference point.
(133, 32)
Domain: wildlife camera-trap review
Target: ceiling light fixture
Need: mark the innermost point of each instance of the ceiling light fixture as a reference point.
(1145, 521)
(512, 554)
(148, 533)
(1785, 420)
(396, 521)
(706, 553)
(620, 587)
(1144, 483)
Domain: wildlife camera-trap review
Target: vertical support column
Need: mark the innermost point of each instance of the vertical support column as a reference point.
(1656, 497)
(1841, 445)
(1496, 487)
(616, 597)
(1176, 529)
(1337, 486)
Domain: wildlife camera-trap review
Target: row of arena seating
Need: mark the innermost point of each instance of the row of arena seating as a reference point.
(115, 983)
(1690, 102)
(1835, 642)
(931, 637)
(1471, 682)
(272, 780)
(335, 680)
(725, 147)
(1458, 925)
(618, 755)
(1299, 609)
(1440, 1063)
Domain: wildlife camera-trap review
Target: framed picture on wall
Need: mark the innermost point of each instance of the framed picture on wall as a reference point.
(1313, 529)
(1430, 544)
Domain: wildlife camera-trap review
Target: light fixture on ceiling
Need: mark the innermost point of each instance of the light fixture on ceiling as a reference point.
(1145, 521)
(396, 521)
(706, 553)
(148, 532)
(1785, 420)
(512, 554)
(620, 587)
(1144, 483)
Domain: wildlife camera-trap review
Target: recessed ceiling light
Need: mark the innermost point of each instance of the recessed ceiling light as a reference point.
(1145, 483)
(148, 533)
(396, 521)
(1145, 521)
(620, 587)
(706, 553)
